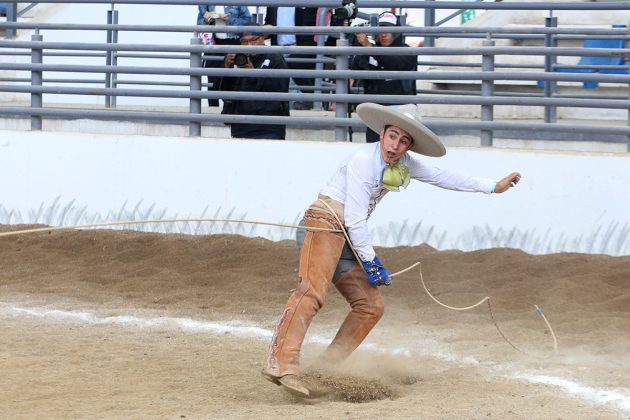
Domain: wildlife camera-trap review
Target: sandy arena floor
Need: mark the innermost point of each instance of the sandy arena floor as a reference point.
(110, 324)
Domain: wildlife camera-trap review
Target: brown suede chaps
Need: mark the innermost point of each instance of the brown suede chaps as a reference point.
(318, 260)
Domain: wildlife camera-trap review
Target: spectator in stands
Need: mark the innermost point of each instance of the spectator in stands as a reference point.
(385, 63)
(262, 85)
(220, 16)
(290, 17)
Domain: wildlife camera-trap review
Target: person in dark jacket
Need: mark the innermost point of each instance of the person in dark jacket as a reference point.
(260, 85)
(220, 16)
(290, 17)
(385, 63)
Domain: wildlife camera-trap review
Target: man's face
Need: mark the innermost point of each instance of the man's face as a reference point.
(385, 39)
(395, 142)
(252, 40)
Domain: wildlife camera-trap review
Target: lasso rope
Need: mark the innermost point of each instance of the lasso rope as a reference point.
(145, 222)
(342, 230)
(485, 299)
(494, 321)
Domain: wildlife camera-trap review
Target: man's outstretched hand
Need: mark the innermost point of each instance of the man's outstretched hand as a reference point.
(508, 182)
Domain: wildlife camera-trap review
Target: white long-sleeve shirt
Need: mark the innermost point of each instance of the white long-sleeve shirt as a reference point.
(358, 185)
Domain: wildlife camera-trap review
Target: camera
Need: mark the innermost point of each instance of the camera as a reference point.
(348, 10)
(241, 59)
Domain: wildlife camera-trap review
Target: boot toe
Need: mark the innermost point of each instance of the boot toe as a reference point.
(293, 385)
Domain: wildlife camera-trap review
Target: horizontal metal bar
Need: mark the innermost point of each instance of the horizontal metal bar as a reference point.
(150, 83)
(496, 65)
(584, 37)
(53, 80)
(333, 74)
(352, 98)
(72, 54)
(16, 53)
(412, 4)
(528, 127)
(384, 51)
(590, 67)
(530, 32)
(15, 79)
(307, 122)
(160, 56)
(587, 96)
(180, 117)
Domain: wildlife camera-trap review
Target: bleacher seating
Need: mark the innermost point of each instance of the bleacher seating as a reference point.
(597, 61)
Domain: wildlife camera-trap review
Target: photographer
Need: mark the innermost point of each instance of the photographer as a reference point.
(218, 16)
(260, 85)
(385, 63)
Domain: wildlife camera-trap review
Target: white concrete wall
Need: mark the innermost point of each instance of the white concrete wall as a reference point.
(565, 202)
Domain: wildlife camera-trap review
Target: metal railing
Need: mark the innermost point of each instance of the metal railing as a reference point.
(12, 15)
(190, 74)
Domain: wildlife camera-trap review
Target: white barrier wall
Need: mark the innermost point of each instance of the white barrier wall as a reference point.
(565, 202)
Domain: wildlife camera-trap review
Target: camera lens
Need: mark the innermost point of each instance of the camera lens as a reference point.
(240, 59)
(346, 11)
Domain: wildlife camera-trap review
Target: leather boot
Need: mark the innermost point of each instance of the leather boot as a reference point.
(367, 309)
(318, 259)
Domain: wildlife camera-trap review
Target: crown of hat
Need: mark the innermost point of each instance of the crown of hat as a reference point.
(387, 18)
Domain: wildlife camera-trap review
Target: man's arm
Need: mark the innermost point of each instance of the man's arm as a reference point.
(242, 17)
(357, 202)
(457, 180)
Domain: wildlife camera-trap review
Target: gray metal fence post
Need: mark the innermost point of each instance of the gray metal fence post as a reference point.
(341, 87)
(114, 76)
(194, 127)
(487, 90)
(429, 22)
(321, 41)
(108, 56)
(551, 114)
(36, 80)
(11, 17)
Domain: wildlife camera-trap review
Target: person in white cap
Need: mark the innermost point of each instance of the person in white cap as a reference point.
(406, 62)
(346, 202)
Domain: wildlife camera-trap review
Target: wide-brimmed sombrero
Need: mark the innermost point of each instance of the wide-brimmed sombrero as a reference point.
(425, 141)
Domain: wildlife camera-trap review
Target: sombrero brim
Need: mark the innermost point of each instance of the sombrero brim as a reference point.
(425, 141)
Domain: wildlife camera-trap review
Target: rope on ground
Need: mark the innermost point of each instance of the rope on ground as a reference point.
(145, 222)
(342, 230)
(494, 320)
(485, 299)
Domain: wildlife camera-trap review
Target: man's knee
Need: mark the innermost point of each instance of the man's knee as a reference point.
(364, 299)
(373, 307)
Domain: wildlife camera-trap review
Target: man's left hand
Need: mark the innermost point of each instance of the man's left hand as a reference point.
(508, 182)
(377, 274)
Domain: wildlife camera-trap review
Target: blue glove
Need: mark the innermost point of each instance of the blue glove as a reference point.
(376, 273)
